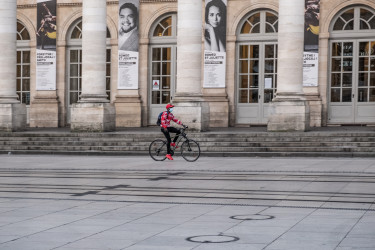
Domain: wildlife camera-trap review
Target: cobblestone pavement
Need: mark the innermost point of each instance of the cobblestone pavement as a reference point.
(90, 202)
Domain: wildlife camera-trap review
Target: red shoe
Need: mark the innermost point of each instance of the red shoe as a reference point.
(169, 157)
(173, 145)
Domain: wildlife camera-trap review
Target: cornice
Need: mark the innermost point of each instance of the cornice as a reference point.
(26, 6)
(30, 6)
(156, 1)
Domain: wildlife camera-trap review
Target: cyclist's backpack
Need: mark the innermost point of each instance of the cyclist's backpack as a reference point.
(158, 122)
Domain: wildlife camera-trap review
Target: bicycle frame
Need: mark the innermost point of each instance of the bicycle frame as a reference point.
(182, 135)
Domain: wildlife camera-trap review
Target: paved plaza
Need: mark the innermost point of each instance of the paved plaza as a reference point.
(91, 202)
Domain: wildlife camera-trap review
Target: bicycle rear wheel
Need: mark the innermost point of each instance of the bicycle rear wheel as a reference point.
(158, 150)
(190, 150)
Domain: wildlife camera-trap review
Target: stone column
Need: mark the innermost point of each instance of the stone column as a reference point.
(93, 112)
(290, 108)
(12, 112)
(191, 108)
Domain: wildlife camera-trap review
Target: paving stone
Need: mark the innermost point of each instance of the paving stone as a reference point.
(136, 203)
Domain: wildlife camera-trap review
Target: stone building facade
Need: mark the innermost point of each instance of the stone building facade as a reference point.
(345, 93)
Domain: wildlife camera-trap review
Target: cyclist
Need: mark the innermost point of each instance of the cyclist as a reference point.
(166, 128)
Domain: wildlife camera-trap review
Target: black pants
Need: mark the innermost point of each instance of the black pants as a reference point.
(167, 135)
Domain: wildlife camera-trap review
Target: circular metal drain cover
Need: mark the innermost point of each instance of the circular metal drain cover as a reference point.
(213, 239)
(252, 217)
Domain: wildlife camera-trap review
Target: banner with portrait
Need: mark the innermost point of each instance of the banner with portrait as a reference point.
(46, 45)
(215, 43)
(128, 44)
(311, 44)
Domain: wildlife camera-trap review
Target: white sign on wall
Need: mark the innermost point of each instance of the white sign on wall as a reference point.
(155, 85)
(46, 70)
(268, 83)
(310, 69)
(214, 69)
(127, 70)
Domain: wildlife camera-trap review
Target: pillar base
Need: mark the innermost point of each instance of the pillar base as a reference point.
(316, 106)
(192, 111)
(289, 114)
(128, 111)
(92, 117)
(219, 110)
(12, 117)
(44, 112)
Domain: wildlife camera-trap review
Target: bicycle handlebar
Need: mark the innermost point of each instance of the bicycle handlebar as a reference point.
(184, 127)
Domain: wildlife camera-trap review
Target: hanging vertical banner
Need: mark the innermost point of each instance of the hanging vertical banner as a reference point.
(46, 45)
(128, 44)
(311, 45)
(215, 43)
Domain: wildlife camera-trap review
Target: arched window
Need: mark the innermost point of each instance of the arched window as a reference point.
(164, 27)
(352, 70)
(22, 33)
(256, 66)
(355, 19)
(162, 58)
(75, 63)
(260, 22)
(77, 31)
(23, 63)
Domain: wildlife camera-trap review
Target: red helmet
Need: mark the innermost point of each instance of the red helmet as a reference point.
(169, 106)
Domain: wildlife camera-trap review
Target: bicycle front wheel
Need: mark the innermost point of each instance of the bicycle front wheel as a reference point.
(190, 150)
(158, 150)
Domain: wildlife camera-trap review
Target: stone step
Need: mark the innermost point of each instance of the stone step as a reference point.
(289, 149)
(195, 135)
(206, 154)
(288, 154)
(73, 143)
(203, 148)
(244, 138)
(93, 143)
(212, 144)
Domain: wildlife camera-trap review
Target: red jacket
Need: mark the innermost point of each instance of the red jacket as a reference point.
(166, 119)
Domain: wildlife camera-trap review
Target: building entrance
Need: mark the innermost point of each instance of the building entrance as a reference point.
(351, 90)
(352, 82)
(256, 66)
(257, 82)
(163, 68)
(162, 65)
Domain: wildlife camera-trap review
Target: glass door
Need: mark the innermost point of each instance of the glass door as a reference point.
(162, 80)
(352, 82)
(365, 100)
(270, 79)
(74, 78)
(257, 82)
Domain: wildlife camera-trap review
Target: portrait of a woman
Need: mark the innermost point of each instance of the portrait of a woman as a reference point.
(215, 26)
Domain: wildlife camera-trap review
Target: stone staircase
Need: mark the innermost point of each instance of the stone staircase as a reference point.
(230, 142)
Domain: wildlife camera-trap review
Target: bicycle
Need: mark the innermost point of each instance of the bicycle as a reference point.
(190, 149)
